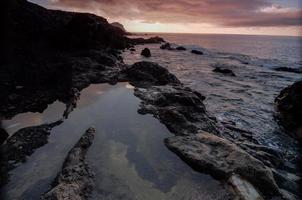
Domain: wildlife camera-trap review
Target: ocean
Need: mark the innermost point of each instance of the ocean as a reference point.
(247, 99)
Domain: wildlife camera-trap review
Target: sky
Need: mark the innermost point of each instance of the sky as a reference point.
(254, 17)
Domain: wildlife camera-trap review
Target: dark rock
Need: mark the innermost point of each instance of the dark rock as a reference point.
(119, 25)
(3, 135)
(181, 48)
(136, 41)
(224, 71)
(132, 49)
(197, 52)
(166, 46)
(288, 69)
(149, 73)
(21, 144)
(179, 108)
(75, 179)
(289, 106)
(146, 52)
(211, 154)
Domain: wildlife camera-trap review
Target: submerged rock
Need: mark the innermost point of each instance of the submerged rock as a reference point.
(211, 154)
(149, 73)
(75, 180)
(224, 71)
(289, 107)
(197, 52)
(146, 52)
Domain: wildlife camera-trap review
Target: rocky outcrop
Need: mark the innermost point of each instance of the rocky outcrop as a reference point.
(21, 144)
(75, 179)
(197, 52)
(136, 41)
(166, 46)
(224, 71)
(289, 107)
(211, 154)
(146, 52)
(145, 74)
(119, 25)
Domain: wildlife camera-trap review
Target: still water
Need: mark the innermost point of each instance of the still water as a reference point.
(128, 155)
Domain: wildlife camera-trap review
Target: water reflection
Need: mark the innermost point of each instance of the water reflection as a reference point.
(128, 155)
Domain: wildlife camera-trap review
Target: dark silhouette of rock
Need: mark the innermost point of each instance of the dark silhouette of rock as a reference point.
(197, 52)
(288, 69)
(181, 48)
(166, 46)
(75, 179)
(146, 52)
(224, 71)
(149, 73)
(289, 107)
(119, 25)
(132, 49)
(136, 41)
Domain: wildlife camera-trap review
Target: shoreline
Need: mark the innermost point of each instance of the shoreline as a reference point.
(180, 108)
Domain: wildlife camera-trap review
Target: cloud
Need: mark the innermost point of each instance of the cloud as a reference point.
(228, 13)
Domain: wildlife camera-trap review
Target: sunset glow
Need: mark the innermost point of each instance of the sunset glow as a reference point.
(261, 17)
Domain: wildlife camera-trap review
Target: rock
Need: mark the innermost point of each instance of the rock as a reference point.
(75, 179)
(224, 71)
(244, 189)
(181, 48)
(211, 154)
(179, 108)
(197, 52)
(119, 25)
(146, 52)
(289, 106)
(152, 40)
(166, 46)
(3, 135)
(132, 49)
(288, 69)
(149, 73)
(21, 144)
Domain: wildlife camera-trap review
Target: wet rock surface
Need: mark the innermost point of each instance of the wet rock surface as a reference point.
(21, 144)
(75, 179)
(224, 71)
(289, 106)
(208, 153)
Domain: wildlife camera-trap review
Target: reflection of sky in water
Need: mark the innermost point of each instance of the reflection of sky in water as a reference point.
(128, 155)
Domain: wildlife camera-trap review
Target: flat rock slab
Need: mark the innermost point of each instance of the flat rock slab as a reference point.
(74, 182)
(219, 157)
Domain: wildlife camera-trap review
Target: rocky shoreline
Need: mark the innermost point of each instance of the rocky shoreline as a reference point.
(58, 65)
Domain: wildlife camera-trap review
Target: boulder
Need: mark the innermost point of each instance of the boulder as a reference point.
(149, 73)
(181, 48)
(75, 179)
(289, 106)
(197, 52)
(221, 158)
(166, 46)
(146, 52)
(224, 71)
